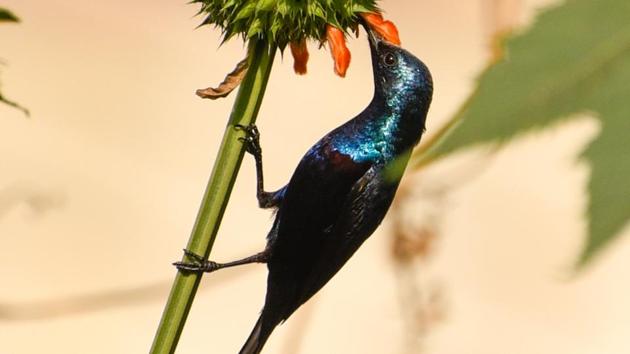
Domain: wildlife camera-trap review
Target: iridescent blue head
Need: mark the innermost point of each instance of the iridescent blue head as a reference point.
(401, 79)
(394, 120)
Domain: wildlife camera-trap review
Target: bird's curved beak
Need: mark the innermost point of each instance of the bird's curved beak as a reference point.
(373, 37)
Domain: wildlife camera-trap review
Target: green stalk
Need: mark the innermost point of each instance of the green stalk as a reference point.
(224, 172)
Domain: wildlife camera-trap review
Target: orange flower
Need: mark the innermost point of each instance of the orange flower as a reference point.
(386, 29)
(337, 42)
(300, 56)
(340, 53)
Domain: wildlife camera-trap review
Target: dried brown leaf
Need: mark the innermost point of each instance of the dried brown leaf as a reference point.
(231, 81)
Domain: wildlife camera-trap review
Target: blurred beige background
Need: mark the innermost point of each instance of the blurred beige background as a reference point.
(100, 187)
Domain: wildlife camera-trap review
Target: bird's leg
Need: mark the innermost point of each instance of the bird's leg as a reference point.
(201, 265)
(252, 146)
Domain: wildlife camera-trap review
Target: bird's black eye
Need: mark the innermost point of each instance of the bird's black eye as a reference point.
(389, 59)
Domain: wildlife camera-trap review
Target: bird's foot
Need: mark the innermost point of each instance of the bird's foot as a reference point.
(251, 139)
(197, 265)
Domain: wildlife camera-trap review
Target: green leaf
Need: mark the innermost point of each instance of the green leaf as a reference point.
(255, 28)
(575, 58)
(246, 11)
(7, 16)
(265, 5)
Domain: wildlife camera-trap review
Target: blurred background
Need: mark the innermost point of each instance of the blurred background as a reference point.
(99, 189)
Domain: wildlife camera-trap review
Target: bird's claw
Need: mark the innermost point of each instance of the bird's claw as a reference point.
(198, 264)
(251, 138)
(192, 255)
(251, 129)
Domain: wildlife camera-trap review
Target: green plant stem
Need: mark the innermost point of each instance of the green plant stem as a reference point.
(224, 172)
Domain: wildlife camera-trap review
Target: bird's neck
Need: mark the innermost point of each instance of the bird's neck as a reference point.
(396, 121)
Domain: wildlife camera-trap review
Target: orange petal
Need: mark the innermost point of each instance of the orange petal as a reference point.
(386, 29)
(373, 18)
(300, 56)
(338, 49)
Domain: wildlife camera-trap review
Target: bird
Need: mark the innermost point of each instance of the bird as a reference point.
(340, 191)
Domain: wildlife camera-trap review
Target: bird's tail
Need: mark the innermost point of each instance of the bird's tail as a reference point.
(257, 338)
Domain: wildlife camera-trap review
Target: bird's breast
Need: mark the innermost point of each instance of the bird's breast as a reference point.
(364, 146)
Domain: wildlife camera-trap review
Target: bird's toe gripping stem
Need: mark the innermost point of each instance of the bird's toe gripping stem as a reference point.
(251, 138)
(198, 264)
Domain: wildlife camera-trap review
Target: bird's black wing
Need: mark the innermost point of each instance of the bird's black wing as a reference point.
(312, 205)
(313, 200)
(332, 204)
(362, 212)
